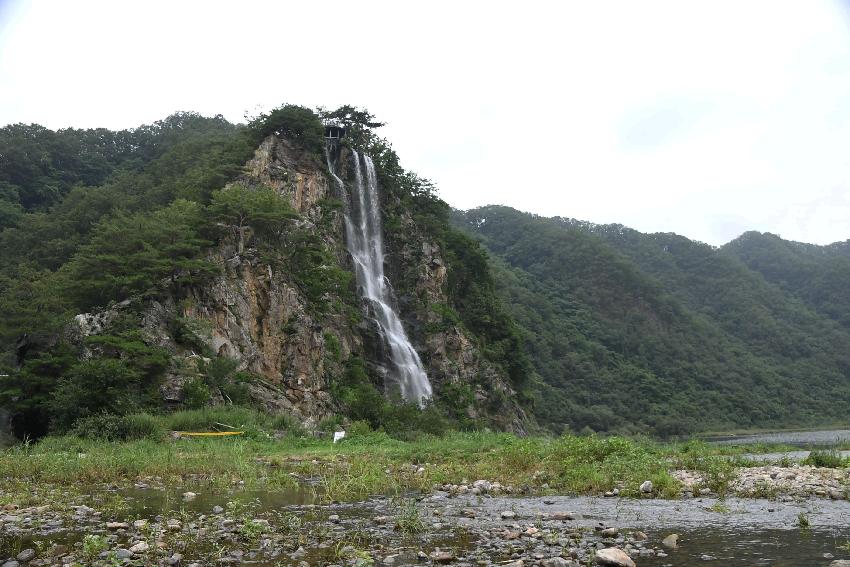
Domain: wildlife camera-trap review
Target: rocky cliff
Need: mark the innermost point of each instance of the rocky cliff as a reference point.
(256, 311)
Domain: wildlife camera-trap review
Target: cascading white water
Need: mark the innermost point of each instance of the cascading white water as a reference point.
(366, 246)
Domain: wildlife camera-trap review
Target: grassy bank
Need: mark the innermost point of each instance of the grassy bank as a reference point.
(274, 452)
(365, 464)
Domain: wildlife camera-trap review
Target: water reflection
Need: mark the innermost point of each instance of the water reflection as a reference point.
(826, 438)
(777, 548)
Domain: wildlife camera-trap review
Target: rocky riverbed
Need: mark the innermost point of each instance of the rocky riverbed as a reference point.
(478, 523)
(773, 481)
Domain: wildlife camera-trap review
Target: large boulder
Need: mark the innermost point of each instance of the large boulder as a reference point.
(614, 557)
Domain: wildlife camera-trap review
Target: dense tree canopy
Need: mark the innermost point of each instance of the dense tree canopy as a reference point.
(92, 217)
(658, 333)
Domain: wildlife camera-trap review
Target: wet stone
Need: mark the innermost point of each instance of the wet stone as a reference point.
(117, 525)
(442, 556)
(59, 550)
(613, 557)
(671, 541)
(298, 553)
(140, 547)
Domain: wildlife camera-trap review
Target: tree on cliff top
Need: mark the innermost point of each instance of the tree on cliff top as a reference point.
(349, 116)
(296, 123)
(239, 207)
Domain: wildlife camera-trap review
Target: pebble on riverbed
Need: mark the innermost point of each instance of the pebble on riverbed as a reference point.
(477, 529)
(796, 481)
(477, 488)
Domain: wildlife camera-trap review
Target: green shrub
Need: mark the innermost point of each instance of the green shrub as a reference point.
(94, 545)
(357, 429)
(196, 394)
(142, 426)
(718, 471)
(331, 424)
(595, 464)
(218, 375)
(109, 427)
(235, 391)
(101, 426)
(828, 459)
(96, 385)
(288, 423)
(333, 346)
(408, 517)
(192, 333)
(402, 420)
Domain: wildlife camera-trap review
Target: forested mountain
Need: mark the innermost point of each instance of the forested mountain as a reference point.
(194, 261)
(819, 276)
(657, 333)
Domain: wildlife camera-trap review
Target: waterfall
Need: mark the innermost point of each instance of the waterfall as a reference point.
(366, 245)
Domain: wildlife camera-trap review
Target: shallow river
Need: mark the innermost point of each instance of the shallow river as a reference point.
(825, 438)
(733, 532)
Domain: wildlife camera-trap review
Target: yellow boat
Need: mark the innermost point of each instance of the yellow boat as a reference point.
(208, 433)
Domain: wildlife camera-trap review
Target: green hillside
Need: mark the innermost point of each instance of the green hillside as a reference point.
(816, 275)
(658, 333)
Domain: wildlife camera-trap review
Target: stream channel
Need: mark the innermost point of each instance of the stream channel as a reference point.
(296, 527)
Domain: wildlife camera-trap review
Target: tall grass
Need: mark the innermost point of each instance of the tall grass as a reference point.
(365, 462)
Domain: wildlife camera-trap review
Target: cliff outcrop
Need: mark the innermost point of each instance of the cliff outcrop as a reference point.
(257, 312)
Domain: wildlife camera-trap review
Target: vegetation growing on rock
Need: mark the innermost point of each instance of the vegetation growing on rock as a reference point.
(139, 264)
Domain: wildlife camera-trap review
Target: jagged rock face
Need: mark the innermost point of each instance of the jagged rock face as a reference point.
(259, 317)
(277, 164)
(450, 355)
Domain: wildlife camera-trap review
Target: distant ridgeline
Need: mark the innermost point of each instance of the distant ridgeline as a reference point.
(194, 262)
(661, 334)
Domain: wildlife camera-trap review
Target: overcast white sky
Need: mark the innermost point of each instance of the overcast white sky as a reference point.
(702, 118)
